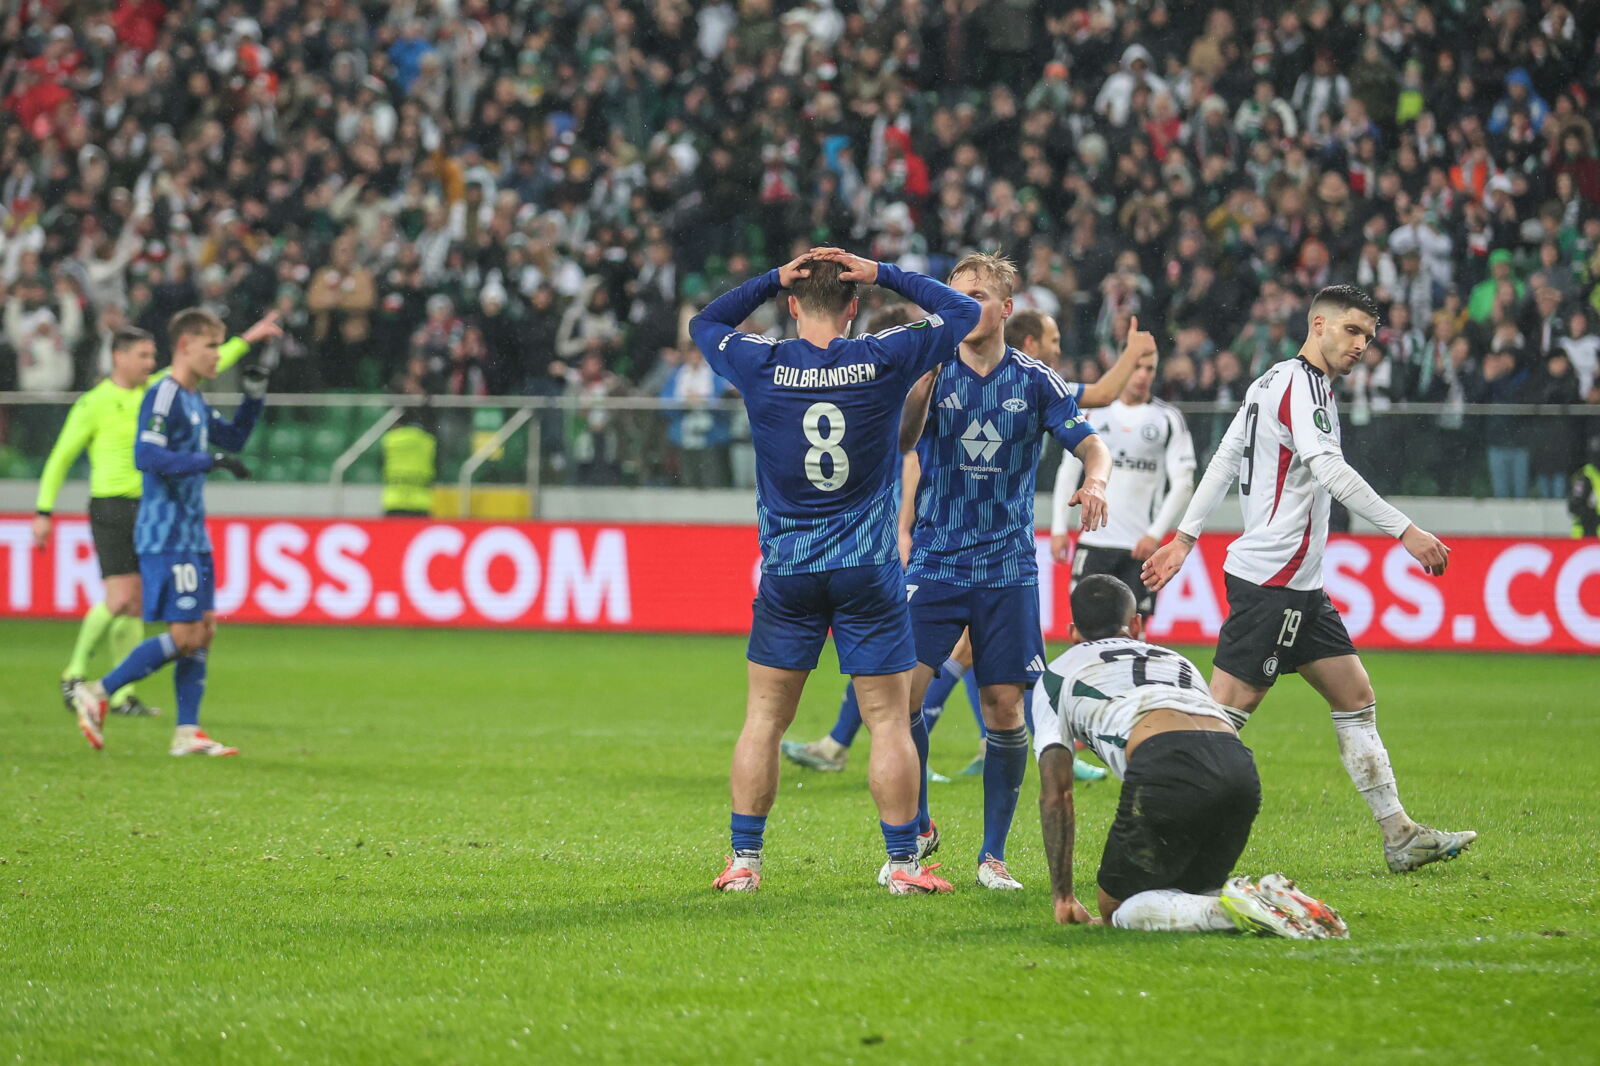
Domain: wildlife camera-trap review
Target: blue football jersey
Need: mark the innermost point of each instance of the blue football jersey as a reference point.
(825, 421)
(980, 459)
(177, 431)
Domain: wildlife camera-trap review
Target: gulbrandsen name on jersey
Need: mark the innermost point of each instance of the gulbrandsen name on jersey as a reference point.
(823, 377)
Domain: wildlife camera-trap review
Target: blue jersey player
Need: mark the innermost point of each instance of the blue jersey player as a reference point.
(973, 562)
(176, 447)
(825, 417)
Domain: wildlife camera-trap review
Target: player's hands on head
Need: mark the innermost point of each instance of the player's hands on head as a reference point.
(1061, 547)
(230, 463)
(1140, 343)
(1164, 564)
(266, 328)
(1070, 912)
(1145, 548)
(856, 268)
(793, 270)
(1092, 498)
(1427, 549)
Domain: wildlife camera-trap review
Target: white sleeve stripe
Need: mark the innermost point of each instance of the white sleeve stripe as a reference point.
(164, 394)
(152, 437)
(1049, 375)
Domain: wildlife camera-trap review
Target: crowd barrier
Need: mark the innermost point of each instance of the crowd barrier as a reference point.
(1500, 593)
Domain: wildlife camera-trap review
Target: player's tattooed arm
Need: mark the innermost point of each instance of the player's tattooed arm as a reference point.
(1059, 823)
(1139, 344)
(914, 414)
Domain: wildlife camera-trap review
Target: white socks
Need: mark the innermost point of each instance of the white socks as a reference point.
(1366, 760)
(1167, 910)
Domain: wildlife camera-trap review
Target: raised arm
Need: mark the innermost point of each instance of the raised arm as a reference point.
(233, 433)
(1138, 345)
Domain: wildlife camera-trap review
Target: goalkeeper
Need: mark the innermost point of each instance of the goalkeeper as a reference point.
(104, 421)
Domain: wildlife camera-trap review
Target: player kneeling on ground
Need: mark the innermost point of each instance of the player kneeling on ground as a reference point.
(1189, 787)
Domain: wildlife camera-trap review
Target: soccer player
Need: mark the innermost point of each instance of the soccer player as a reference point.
(105, 420)
(1283, 446)
(175, 450)
(824, 416)
(1152, 480)
(972, 549)
(1189, 788)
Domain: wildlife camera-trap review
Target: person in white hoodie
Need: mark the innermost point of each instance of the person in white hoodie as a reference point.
(1116, 95)
(44, 338)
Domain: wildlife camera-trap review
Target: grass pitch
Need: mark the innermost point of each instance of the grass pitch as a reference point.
(495, 847)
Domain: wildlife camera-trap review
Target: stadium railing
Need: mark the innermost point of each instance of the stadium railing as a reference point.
(529, 442)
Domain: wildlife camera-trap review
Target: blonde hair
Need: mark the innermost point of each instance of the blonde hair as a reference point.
(990, 267)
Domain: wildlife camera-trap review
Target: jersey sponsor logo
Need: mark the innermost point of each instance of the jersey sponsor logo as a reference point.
(187, 603)
(1149, 432)
(823, 377)
(1320, 418)
(981, 440)
(1016, 403)
(1123, 462)
(1270, 667)
(951, 402)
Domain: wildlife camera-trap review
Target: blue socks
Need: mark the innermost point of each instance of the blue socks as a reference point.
(189, 679)
(1004, 765)
(919, 737)
(900, 840)
(144, 660)
(849, 723)
(748, 830)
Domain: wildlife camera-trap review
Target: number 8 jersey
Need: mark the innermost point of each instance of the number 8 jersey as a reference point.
(1100, 689)
(825, 422)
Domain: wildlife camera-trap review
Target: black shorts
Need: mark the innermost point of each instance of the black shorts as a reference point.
(111, 521)
(1273, 631)
(1120, 564)
(1188, 801)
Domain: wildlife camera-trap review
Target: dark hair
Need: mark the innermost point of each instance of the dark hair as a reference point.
(895, 315)
(192, 320)
(1346, 298)
(1101, 606)
(128, 336)
(1024, 325)
(821, 292)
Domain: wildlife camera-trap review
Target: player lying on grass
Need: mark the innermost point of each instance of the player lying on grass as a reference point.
(1189, 787)
(105, 421)
(1284, 448)
(178, 434)
(824, 420)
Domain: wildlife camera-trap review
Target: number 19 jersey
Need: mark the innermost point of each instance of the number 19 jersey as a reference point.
(825, 421)
(1099, 690)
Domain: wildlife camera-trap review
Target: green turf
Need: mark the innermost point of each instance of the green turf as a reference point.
(481, 847)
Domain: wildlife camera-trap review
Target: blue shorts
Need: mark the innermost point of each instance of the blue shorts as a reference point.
(178, 586)
(1007, 644)
(865, 606)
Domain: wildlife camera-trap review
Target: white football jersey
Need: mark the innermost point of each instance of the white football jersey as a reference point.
(1100, 689)
(1150, 447)
(1289, 416)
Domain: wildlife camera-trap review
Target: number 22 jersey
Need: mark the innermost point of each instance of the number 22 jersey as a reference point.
(825, 422)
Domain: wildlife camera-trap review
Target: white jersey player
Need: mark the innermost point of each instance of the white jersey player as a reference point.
(1189, 788)
(1283, 446)
(1152, 479)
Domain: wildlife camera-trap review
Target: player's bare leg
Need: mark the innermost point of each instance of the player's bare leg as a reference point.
(770, 702)
(1005, 764)
(1239, 699)
(1342, 681)
(897, 779)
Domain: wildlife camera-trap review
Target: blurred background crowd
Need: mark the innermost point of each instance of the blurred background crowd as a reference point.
(531, 197)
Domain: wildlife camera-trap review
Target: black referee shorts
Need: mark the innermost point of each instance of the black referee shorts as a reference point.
(1274, 631)
(1188, 801)
(111, 521)
(1120, 564)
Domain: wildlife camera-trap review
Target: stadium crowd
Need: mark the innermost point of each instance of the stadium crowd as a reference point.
(532, 196)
